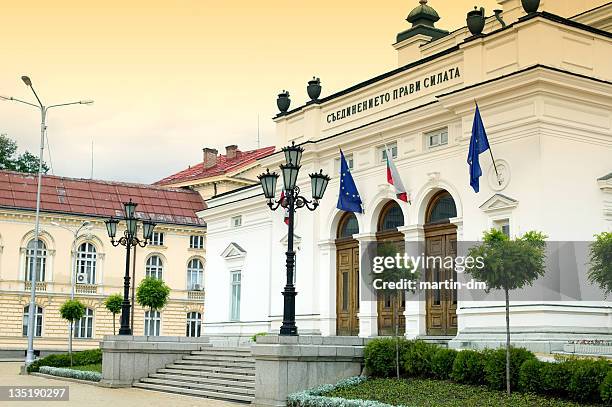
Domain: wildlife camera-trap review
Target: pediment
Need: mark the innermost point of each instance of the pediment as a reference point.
(233, 251)
(499, 202)
(297, 240)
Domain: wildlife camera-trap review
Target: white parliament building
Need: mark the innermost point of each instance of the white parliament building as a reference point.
(543, 85)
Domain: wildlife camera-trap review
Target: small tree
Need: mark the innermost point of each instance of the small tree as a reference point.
(509, 265)
(113, 304)
(600, 270)
(397, 273)
(72, 310)
(152, 293)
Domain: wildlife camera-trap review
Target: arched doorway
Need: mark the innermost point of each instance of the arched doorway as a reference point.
(347, 276)
(441, 242)
(391, 307)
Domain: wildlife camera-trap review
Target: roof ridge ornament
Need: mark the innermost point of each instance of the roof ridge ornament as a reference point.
(423, 2)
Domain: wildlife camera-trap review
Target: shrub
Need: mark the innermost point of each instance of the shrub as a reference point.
(495, 367)
(605, 390)
(86, 357)
(314, 397)
(442, 363)
(379, 355)
(75, 374)
(530, 376)
(416, 358)
(468, 367)
(587, 376)
(555, 377)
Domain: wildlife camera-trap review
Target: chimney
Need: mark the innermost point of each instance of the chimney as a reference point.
(210, 157)
(231, 151)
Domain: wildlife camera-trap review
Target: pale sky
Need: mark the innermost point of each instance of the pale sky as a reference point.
(171, 77)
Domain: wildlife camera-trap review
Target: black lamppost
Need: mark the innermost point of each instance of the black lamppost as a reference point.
(291, 200)
(128, 240)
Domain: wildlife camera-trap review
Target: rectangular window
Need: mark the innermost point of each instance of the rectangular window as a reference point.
(157, 239)
(382, 151)
(196, 242)
(236, 279)
(437, 138)
(152, 323)
(83, 328)
(236, 221)
(349, 161)
(503, 225)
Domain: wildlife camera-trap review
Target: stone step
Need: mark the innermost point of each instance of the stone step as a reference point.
(209, 380)
(220, 369)
(196, 392)
(191, 362)
(215, 352)
(206, 374)
(219, 350)
(200, 386)
(219, 359)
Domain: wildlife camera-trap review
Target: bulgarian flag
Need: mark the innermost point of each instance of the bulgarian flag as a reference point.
(394, 179)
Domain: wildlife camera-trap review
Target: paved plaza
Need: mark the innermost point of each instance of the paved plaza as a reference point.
(94, 396)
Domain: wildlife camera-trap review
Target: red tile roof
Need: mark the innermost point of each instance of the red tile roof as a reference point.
(223, 166)
(100, 198)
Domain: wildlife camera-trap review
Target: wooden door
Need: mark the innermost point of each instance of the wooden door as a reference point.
(390, 303)
(347, 289)
(441, 241)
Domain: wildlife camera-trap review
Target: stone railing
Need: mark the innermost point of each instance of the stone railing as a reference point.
(40, 286)
(86, 288)
(195, 295)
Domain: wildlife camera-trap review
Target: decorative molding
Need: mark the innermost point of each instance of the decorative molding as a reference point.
(233, 251)
(297, 240)
(499, 202)
(433, 179)
(605, 183)
(503, 168)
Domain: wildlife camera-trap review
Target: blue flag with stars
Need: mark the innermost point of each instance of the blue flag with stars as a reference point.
(478, 144)
(348, 198)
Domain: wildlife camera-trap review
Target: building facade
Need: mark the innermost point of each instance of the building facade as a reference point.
(75, 249)
(542, 82)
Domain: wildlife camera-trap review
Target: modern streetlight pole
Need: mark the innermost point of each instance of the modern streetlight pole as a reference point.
(129, 240)
(291, 200)
(34, 273)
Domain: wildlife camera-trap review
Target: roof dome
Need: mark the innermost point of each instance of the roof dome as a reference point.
(423, 14)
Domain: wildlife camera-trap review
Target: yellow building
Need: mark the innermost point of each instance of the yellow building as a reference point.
(74, 238)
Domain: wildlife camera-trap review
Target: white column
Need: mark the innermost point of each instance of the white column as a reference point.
(368, 302)
(327, 287)
(416, 311)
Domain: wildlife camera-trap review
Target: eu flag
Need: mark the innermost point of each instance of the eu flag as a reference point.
(478, 144)
(348, 198)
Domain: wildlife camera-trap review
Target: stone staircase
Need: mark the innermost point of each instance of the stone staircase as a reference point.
(437, 340)
(212, 372)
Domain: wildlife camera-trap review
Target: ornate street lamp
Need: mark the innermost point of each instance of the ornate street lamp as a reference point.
(128, 240)
(291, 201)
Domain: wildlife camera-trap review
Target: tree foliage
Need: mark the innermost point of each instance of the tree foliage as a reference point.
(152, 293)
(600, 270)
(72, 310)
(113, 303)
(9, 160)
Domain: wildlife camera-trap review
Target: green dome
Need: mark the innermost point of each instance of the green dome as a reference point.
(423, 14)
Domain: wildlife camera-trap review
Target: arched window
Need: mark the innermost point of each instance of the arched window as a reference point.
(195, 275)
(152, 323)
(38, 320)
(83, 328)
(41, 262)
(194, 324)
(441, 208)
(154, 267)
(348, 226)
(391, 217)
(86, 258)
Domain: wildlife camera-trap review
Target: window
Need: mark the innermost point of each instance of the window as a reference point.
(38, 320)
(157, 239)
(195, 275)
(152, 323)
(154, 267)
(235, 289)
(503, 225)
(437, 138)
(349, 161)
(83, 328)
(391, 217)
(86, 264)
(196, 242)
(194, 324)
(348, 226)
(41, 262)
(236, 221)
(382, 151)
(442, 208)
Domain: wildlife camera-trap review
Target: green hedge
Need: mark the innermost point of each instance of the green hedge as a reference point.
(74, 374)
(86, 357)
(582, 380)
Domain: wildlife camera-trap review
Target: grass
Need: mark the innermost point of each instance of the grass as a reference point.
(437, 393)
(92, 368)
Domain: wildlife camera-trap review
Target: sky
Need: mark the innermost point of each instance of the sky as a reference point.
(172, 77)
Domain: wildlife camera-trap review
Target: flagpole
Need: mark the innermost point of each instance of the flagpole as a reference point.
(491, 152)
